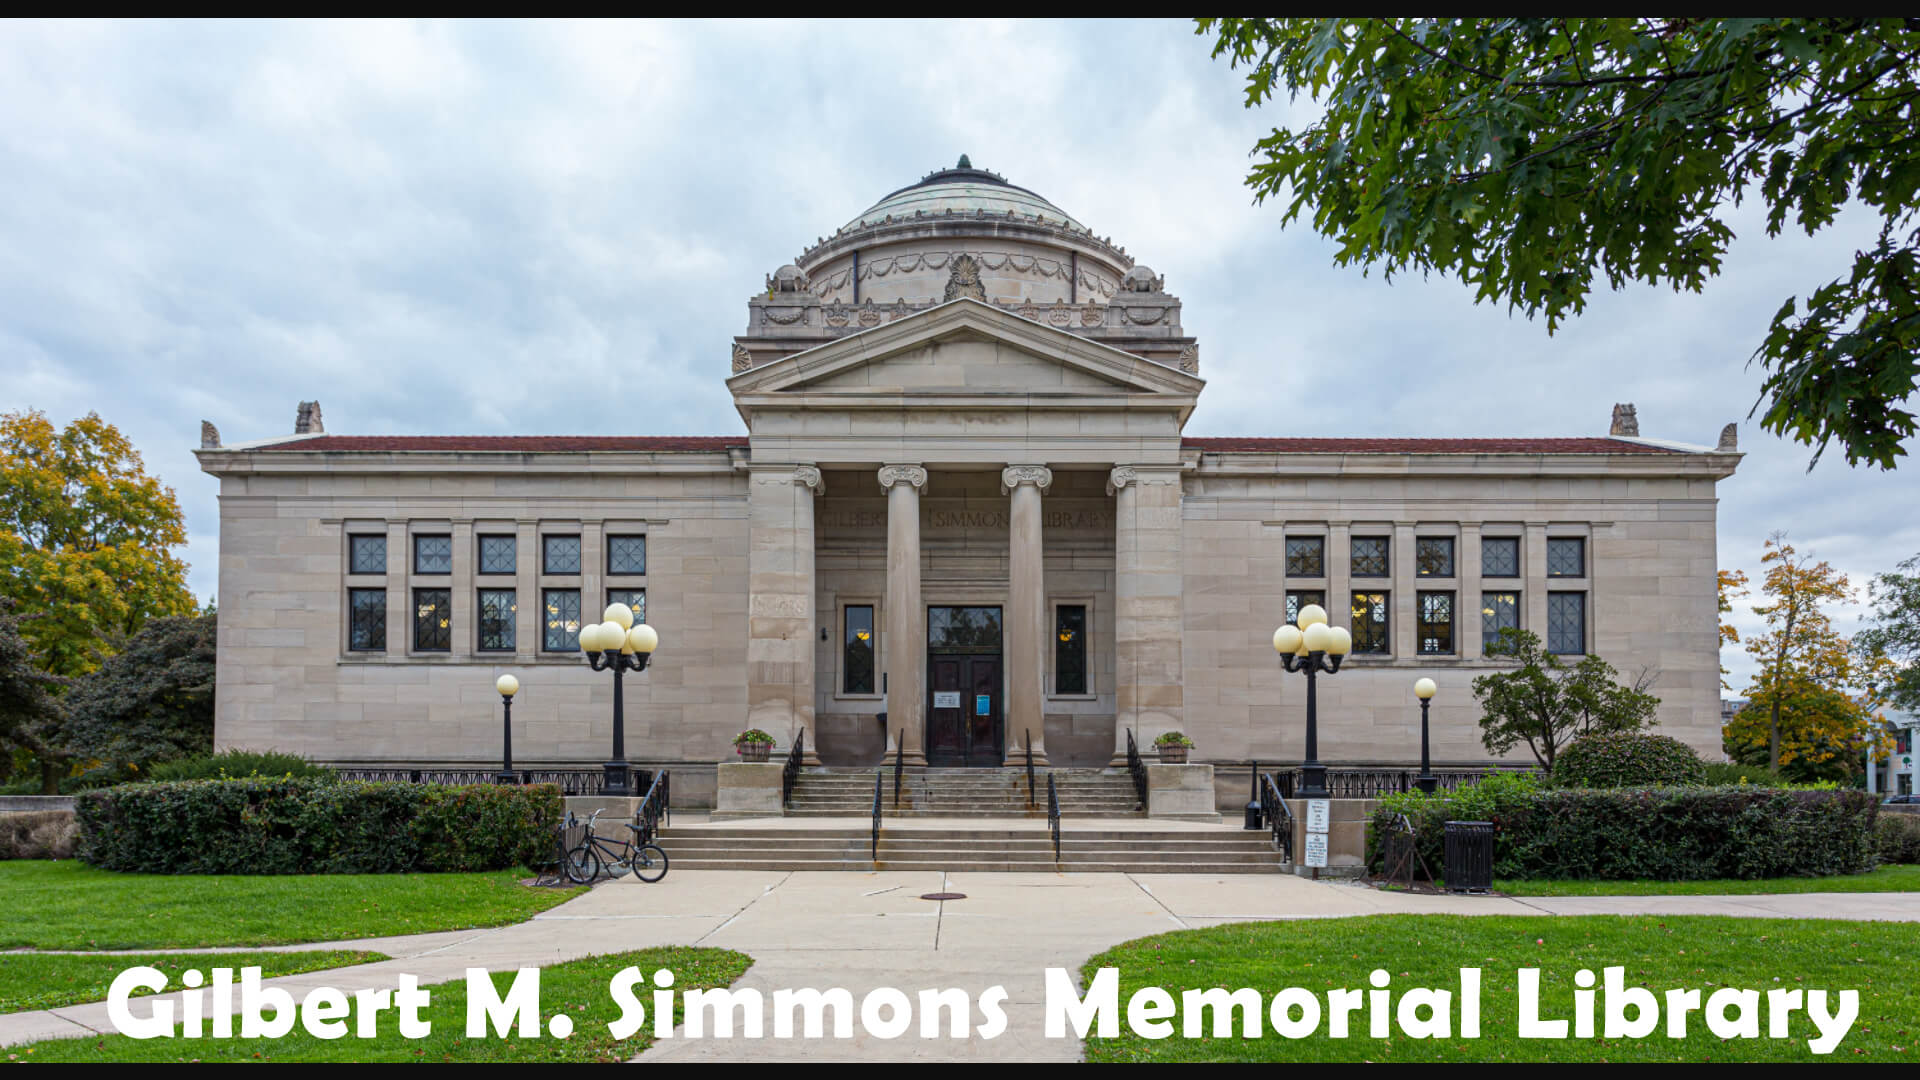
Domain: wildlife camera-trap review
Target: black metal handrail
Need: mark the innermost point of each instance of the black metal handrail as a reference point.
(1137, 767)
(1031, 799)
(873, 848)
(1400, 853)
(1053, 815)
(899, 765)
(791, 774)
(655, 807)
(1278, 815)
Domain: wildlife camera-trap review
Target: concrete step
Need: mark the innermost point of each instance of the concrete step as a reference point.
(983, 849)
(978, 866)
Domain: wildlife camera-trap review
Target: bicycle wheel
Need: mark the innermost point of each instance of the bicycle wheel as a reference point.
(649, 863)
(582, 866)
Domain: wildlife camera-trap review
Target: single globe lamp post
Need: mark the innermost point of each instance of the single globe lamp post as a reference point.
(508, 686)
(1312, 647)
(1424, 689)
(618, 644)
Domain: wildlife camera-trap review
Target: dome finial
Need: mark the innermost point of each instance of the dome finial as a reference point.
(964, 163)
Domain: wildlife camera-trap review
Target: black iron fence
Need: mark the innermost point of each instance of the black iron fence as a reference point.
(588, 781)
(1375, 782)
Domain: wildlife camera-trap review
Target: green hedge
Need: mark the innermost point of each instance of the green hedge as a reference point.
(1627, 759)
(1666, 834)
(1898, 836)
(238, 764)
(315, 826)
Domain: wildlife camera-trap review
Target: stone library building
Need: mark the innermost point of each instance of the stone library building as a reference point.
(961, 496)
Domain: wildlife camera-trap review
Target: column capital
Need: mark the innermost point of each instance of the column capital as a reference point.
(808, 476)
(903, 474)
(1013, 476)
(1136, 475)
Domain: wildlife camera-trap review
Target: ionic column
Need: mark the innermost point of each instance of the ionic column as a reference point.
(905, 643)
(1026, 624)
(1147, 590)
(780, 652)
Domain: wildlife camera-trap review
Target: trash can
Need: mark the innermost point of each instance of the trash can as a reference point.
(1469, 856)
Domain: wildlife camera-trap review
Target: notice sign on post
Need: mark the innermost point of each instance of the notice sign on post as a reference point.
(1319, 819)
(1319, 815)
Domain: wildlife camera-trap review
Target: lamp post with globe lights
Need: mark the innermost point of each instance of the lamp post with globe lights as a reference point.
(617, 643)
(508, 686)
(1424, 689)
(1315, 648)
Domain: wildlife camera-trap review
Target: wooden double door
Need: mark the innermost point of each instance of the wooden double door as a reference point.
(964, 710)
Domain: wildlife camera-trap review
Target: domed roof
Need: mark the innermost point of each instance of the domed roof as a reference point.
(966, 190)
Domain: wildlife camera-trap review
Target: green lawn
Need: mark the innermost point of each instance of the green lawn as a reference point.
(49, 980)
(1882, 879)
(1702, 952)
(67, 905)
(577, 988)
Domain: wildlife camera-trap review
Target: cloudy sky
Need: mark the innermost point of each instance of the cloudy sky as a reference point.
(506, 228)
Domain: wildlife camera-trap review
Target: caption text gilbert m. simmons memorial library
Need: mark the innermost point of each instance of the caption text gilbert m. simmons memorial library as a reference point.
(962, 496)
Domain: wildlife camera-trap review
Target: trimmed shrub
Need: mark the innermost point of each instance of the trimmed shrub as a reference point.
(238, 764)
(1898, 837)
(1666, 834)
(1734, 774)
(316, 826)
(38, 834)
(1627, 759)
(1494, 798)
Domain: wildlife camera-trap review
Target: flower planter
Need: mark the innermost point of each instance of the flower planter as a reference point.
(753, 751)
(1174, 755)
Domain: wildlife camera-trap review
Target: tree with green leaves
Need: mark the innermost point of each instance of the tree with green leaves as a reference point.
(1532, 156)
(1547, 702)
(1893, 632)
(29, 708)
(152, 701)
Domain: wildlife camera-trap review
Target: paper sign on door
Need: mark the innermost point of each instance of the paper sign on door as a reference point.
(946, 699)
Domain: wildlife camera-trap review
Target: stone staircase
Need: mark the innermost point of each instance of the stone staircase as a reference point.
(1135, 850)
(965, 793)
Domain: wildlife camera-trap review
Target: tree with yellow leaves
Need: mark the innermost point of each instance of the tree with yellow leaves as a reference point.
(1813, 703)
(1733, 584)
(86, 539)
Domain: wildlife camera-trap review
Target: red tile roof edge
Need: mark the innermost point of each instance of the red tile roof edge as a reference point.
(1308, 445)
(534, 444)
(520, 444)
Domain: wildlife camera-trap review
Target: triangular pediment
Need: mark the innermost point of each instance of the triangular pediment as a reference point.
(966, 351)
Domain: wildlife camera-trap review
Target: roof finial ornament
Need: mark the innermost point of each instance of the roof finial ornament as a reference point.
(1625, 422)
(964, 163)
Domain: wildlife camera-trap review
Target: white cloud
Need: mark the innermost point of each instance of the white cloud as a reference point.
(465, 227)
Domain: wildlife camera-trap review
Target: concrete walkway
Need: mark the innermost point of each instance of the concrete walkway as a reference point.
(861, 931)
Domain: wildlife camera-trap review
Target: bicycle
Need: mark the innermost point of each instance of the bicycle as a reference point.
(595, 855)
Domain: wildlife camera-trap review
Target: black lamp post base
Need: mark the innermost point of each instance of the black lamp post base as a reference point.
(1313, 781)
(506, 777)
(1427, 782)
(619, 778)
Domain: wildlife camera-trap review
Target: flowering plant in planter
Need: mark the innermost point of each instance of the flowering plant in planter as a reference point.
(753, 744)
(1173, 746)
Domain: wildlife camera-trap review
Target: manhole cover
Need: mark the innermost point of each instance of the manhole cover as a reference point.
(943, 896)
